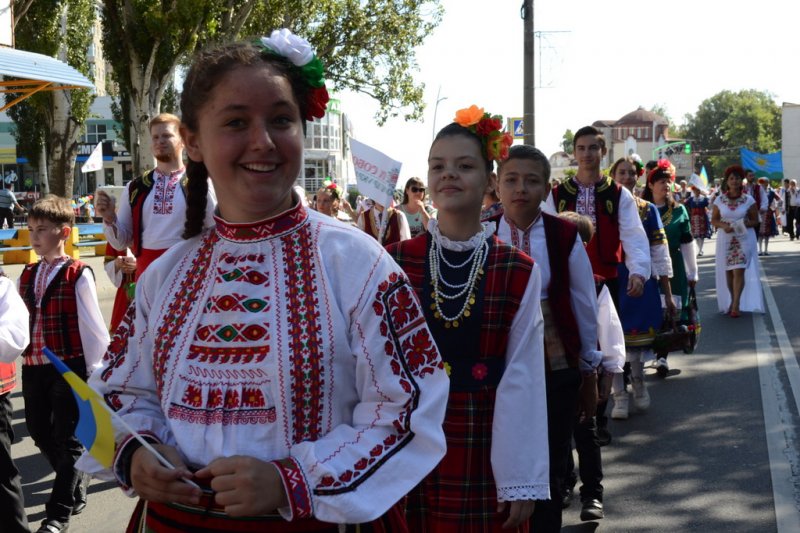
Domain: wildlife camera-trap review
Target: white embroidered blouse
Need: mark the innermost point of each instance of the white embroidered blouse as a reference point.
(295, 340)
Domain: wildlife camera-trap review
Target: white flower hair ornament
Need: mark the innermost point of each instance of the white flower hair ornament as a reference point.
(299, 52)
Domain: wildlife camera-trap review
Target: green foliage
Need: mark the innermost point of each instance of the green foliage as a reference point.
(145, 40)
(728, 121)
(661, 110)
(570, 173)
(39, 30)
(566, 141)
(368, 47)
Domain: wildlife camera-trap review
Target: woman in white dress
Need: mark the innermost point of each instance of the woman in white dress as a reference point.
(736, 215)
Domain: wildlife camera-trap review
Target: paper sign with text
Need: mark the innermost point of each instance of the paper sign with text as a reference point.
(376, 173)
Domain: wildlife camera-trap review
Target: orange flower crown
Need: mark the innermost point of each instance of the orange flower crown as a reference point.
(489, 129)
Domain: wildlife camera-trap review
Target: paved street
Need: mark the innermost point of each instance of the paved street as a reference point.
(718, 450)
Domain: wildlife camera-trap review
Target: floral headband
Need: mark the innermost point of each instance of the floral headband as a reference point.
(283, 43)
(488, 128)
(663, 166)
(333, 188)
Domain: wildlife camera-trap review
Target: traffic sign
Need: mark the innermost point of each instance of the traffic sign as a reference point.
(516, 127)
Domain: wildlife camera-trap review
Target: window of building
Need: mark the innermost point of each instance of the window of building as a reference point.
(316, 172)
(95, 133)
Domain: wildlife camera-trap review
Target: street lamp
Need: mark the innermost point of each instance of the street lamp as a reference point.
(439, 98)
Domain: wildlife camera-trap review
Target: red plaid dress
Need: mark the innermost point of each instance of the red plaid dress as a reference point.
(460, 494)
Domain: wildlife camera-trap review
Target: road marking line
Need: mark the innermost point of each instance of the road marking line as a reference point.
(777, 416)
(789, 357)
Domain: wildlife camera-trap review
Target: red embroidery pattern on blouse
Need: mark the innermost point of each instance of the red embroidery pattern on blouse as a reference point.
(279, 226)
(414, 354)
(244, 274)
(236, 332)
(584, 202)
(226, 355)
(164, 192)
(305, 335)
(224, 417)
(178, 309)
(236, 302)
(118, 347)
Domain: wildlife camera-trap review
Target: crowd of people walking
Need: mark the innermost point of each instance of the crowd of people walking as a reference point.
(424, 367)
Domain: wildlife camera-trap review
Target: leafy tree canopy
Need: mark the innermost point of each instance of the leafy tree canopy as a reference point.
(566, 141)
(367, 47)
(730, 120)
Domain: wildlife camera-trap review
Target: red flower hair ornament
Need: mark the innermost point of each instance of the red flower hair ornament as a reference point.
(299, 52)
(663, 167)
(488, 128)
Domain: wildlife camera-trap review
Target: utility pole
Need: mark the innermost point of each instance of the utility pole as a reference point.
(528, 116)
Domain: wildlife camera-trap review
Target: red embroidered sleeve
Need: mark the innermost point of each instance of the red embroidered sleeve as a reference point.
(297, 490)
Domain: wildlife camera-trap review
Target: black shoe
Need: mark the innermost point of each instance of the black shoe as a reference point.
(566, 498)
(592, 510)
(52, 526)
(80, 494)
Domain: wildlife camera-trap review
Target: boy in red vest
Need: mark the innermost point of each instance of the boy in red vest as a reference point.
(13, 340)
(569, 306)
(61, 297)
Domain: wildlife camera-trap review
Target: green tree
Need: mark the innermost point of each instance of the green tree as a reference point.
(566, 141)
(730, 120)
(365, 46)
(54, 120)
(144, 41)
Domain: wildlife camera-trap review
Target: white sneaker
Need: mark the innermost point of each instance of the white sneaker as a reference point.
(620, 410)
(641, 398)
(662, 368)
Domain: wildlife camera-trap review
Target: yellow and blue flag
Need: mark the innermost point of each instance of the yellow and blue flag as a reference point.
(704, 177)
(94, 429)
(767, 165)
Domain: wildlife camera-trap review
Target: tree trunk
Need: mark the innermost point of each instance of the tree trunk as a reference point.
(63, 145)
(44, 182)
(143, 109)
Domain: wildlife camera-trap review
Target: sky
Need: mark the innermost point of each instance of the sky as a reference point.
(611, 57)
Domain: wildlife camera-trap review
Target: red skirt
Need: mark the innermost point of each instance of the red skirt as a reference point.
(145, 258)
(460, 493)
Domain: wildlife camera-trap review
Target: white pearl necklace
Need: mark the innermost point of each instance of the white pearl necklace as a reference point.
(464, 290)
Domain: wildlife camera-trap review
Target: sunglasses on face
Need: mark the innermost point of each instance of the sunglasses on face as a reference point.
(417, 189)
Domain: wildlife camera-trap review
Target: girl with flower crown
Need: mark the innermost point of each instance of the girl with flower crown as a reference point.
(678, 228)
(481, 300)
(252, 365)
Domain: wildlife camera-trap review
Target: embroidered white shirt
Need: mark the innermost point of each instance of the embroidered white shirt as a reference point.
(163, 214)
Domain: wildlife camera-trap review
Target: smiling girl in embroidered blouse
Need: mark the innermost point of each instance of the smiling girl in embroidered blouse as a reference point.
(481, 299)
(252, 364)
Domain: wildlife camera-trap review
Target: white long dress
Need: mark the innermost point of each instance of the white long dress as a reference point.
(737, 251)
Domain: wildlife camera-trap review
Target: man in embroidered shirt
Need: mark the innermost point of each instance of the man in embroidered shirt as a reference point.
(152, 210)
(612, 210)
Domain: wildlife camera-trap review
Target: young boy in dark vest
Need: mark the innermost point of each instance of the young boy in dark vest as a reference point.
(61, 297)
(569, 307)
(14, 338)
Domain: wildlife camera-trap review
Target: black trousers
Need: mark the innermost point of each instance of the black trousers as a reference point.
(51, 415)
(562, 401)
(7, 215)
(590, 460)
(793, 221)
(12, 503)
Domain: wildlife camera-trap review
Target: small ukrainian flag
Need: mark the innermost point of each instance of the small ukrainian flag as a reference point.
(94, 429)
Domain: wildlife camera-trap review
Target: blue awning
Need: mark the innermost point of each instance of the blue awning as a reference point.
(36, 72)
